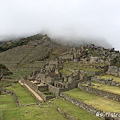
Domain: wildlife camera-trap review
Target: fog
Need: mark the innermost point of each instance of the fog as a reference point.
(74, 21)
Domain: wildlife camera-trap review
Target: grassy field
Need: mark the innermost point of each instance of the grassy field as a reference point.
(117, 79)
(107, 88)
(66, 72)
(6, 102)
(74, 111)
(48, 112)
(10, 111)
(23, 95)
(33, 113)
(103, 104)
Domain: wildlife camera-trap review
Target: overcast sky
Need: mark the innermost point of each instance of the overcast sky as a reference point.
(97, 19)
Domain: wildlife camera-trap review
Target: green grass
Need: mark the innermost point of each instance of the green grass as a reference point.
(117, 79)
(48, 113)
(74, 111)
(10, 111)
(6, 102)
(66, 72)
(100, 103)
(33, 113)
(107, 88)
(89, 69)
(23, 95)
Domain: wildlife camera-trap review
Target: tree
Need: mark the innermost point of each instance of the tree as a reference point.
(4, 71)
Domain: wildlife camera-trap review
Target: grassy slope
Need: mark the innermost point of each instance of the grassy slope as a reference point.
(6, 102)
(33, 113)
(103, 104)
(22, 60)
(117, 79)
(47, 112)
(74, 111)
(23, 95)
(103, 87)
(19, 113)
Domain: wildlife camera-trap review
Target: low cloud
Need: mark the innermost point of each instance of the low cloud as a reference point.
(69, 21)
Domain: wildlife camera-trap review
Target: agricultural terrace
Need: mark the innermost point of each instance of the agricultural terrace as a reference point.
(117, 79)
(23, 96)
(98, 102)
(107, 88)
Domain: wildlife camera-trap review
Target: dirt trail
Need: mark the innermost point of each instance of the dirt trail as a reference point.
(32, 91)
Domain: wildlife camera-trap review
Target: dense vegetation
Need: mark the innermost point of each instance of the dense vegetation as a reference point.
(4, 70)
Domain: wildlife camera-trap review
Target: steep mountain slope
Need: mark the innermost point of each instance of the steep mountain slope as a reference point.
(30, 54)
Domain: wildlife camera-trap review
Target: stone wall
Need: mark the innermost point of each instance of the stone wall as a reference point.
(41, 77)
(66, 57)
(114, 70)
(15, 97)
(32, 85)
(106, 82)
(30, 92)
(102, 93)
(90, 108)
(88, 72)
(43, 88)
(43, 96)
(72, 85)
(54, 90)
(65, 114)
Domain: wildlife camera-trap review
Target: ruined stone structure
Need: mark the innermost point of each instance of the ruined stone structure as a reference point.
(114, 70)
(50, 79)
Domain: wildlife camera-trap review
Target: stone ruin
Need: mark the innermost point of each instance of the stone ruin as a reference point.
(114, 70)
(49, 78)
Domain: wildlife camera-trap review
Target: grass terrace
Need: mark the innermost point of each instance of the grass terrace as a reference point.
(6, 102)
(33, 113)
(78, 66)
(107, 88)
(73, 110)
(98, 102)
(23, 95)
(66, 72)
(117, 79)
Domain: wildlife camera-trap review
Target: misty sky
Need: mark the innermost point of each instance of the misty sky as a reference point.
(95, 19)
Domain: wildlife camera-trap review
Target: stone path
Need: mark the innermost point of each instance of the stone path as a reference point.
(32, 91)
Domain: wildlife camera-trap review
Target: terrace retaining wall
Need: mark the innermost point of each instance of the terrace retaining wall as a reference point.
(90, 108)
(106, 82)
(15, 97)
(65, 114)
(102, 93)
